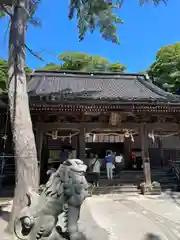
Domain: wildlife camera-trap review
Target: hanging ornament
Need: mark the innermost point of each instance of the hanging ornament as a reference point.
(4, 137)
(87, 135)
(94, 137)
(151, 135)
(132, 138)
(126, 135)
(54, 135)
(70, 136)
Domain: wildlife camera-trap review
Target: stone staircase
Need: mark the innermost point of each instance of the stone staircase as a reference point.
(130, 179)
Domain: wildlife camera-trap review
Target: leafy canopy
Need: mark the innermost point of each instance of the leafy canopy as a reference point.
(90, 14)
(166, 68)
(83, 62)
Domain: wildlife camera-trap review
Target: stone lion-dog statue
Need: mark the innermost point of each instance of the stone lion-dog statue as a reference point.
(64, 193)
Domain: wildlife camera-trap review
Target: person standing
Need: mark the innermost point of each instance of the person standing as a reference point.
(139, 161)
(119, 164)
(109, 164)
(96, 169)
(63, 155)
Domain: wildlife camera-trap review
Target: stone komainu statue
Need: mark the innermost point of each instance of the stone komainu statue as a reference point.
(64, 193)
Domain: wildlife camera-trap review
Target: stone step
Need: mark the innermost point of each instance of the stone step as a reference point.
(114, 190)
(141, 177)
(122, 181)
(124, 189)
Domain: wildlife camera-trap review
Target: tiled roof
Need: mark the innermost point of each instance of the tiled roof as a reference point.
(97, 86)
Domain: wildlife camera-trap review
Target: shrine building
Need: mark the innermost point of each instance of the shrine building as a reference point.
(96, 112)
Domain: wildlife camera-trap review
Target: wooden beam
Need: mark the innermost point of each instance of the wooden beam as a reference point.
(161, 151)
(127, 152)
(97, 125)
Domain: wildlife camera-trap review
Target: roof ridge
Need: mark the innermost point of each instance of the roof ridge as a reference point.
(36, 72)
(152, 87)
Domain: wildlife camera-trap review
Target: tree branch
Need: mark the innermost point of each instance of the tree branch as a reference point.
(34, 54)
(5, 9)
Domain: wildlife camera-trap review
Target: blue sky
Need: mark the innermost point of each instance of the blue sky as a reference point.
(144, 31)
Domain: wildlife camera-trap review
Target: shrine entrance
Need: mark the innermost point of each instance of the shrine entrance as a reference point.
(99, 143)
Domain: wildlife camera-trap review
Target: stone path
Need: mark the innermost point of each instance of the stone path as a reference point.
(131, 217)
(134, 217)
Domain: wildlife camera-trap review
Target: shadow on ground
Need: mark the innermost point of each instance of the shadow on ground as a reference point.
(151, 236)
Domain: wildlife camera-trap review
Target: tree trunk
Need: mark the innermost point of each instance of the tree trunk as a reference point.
(27, 174)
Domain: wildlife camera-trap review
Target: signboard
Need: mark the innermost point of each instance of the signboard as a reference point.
(110, 138)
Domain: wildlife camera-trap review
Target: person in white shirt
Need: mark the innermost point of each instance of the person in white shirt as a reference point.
(96, 169)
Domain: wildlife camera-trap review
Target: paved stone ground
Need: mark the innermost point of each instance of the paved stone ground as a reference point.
(131, 217)
(136, 217)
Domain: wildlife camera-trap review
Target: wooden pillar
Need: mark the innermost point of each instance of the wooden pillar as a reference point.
(127, 152)
(161, 152)
(39, 145)
(82, 143)
(44, 160)
(145, 154)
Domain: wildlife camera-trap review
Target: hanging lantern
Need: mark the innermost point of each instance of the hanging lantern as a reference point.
(54, 135)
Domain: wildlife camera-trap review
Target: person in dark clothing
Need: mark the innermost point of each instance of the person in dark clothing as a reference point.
(119, 164)
(63, 155)
(139, 162)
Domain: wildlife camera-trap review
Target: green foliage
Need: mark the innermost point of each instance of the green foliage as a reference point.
(84, 62)
(74, 60)
(2, 14)
(92, 14)
(52, 67)
(166, 68)
(4, 74)
(116, 67)
(155, 2)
